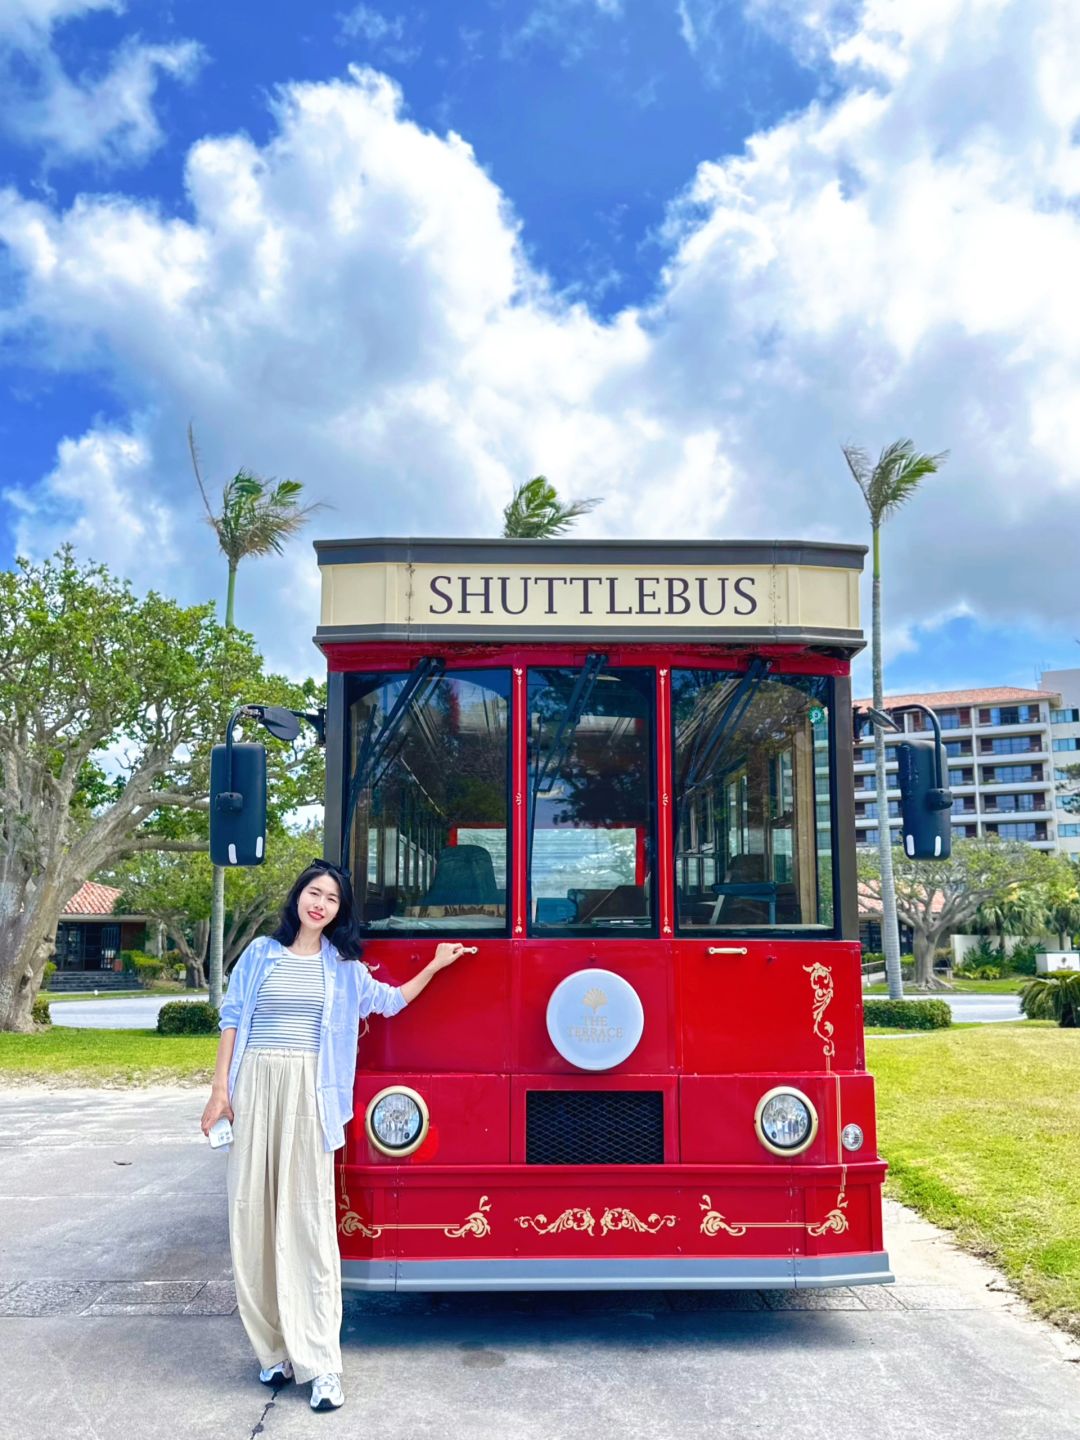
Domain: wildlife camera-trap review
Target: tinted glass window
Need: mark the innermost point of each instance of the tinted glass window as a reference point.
(429, 840)
(753, 807)
(590, 798)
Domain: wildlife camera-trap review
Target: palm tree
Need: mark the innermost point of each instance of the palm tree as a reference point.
(537, 513)
(885, 487)
(1018, 910)
(1053, 997)
(256, 518)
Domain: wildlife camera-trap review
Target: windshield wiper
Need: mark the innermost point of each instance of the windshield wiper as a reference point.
(709, 739)
(378, 738)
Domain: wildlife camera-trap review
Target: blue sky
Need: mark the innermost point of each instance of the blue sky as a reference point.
(671, 252)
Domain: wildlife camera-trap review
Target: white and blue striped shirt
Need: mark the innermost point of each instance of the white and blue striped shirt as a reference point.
(289, 1005)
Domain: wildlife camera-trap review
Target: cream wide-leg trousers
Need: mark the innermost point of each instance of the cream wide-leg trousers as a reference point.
(282, 1222)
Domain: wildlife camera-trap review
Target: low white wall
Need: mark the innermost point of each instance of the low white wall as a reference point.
(962, 945)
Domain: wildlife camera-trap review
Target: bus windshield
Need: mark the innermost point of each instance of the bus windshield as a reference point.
(753, 804)
(591, 841)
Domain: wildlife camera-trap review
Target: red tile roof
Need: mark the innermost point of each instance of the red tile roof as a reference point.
(93, 899)
(870, 904)
(998, 695)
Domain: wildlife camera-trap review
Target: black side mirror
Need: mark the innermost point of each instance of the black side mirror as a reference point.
(238, 804)
(925, 804)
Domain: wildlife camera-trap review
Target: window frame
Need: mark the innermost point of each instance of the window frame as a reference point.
(764, 932)
(360, 682)
(591, 930)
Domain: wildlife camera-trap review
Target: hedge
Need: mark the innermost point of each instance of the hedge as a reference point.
(188, 1017)
(908, 1014)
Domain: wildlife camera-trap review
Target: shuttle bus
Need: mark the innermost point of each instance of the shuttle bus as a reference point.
(621, 774)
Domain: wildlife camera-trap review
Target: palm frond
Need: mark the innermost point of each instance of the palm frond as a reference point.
(535, 512)
(894, 479)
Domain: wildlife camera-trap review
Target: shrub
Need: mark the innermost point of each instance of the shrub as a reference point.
(188, 1017)
(146, 968)
(1022, 959)
(39, 1011)
(908, 1014)
(1053, 997)
(48, 973)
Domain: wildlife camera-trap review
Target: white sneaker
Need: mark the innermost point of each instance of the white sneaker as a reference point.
(278, 1375)
(326, 1392)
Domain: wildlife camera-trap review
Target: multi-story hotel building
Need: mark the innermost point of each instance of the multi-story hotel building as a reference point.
(1006, 749)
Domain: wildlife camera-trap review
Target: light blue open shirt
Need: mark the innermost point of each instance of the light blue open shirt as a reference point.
(351, 994)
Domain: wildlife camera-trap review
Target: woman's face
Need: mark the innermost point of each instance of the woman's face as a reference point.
(319, 902)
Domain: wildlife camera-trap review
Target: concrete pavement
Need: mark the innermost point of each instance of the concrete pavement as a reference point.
(117, 1320)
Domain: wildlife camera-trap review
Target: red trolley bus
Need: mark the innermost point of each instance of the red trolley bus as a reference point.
(622, 772)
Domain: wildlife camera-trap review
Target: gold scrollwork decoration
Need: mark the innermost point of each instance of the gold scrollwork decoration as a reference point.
(476, 1224)
(351, 1224)
(712, 1222)
(620, 1218)
(822, 981)
(573, 1219)
(836, 1221)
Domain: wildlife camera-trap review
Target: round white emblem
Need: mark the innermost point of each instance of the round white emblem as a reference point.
(595, 1019)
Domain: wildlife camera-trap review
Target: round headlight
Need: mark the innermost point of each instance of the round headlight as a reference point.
(786, 1121)
(851, 1137)
(396, 1121)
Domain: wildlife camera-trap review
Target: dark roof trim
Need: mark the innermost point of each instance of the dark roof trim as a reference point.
(480, 551)
(848, 641)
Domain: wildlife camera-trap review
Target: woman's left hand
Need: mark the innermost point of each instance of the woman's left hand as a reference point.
(446, 954)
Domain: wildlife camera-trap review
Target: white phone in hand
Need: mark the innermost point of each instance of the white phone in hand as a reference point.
(220, 1133)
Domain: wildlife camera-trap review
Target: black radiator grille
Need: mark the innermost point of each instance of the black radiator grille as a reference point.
(594, 1127)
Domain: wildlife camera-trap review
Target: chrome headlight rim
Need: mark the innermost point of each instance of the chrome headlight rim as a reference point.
(402, 1151)
(808, 1139)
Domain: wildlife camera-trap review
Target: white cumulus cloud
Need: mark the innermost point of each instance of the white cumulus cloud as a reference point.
(107, 116)
(350, 304)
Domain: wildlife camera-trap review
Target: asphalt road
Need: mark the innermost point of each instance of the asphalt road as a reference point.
(138, 1013)
(118, 1322)
(984, 1009)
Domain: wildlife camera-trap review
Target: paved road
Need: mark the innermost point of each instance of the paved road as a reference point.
(117, 1321)
(985, 1009)
(138, 1013)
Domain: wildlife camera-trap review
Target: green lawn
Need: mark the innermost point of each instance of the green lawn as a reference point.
(106, 1057)
(979, 1127)
(1008, 985)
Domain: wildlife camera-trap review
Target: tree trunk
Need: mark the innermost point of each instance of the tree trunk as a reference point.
(923, 946)
(890, 931)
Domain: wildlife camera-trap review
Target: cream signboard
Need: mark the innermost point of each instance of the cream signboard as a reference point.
(431, 597)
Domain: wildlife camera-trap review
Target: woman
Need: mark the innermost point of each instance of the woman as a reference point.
(284, 1078)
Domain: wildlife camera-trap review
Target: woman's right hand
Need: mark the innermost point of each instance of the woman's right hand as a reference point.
(217, 1106)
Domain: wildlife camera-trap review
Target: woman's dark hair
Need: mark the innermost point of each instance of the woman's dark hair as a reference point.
(343, 932)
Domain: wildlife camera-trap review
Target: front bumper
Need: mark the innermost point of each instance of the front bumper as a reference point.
(673, 1273)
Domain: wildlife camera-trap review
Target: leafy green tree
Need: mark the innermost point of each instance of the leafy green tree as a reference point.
(1017, 910)
(938, 898)
(256, 518)
(537, 513)
(1060, 898)
(98, 683)
(886, 486)
(176, 889)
